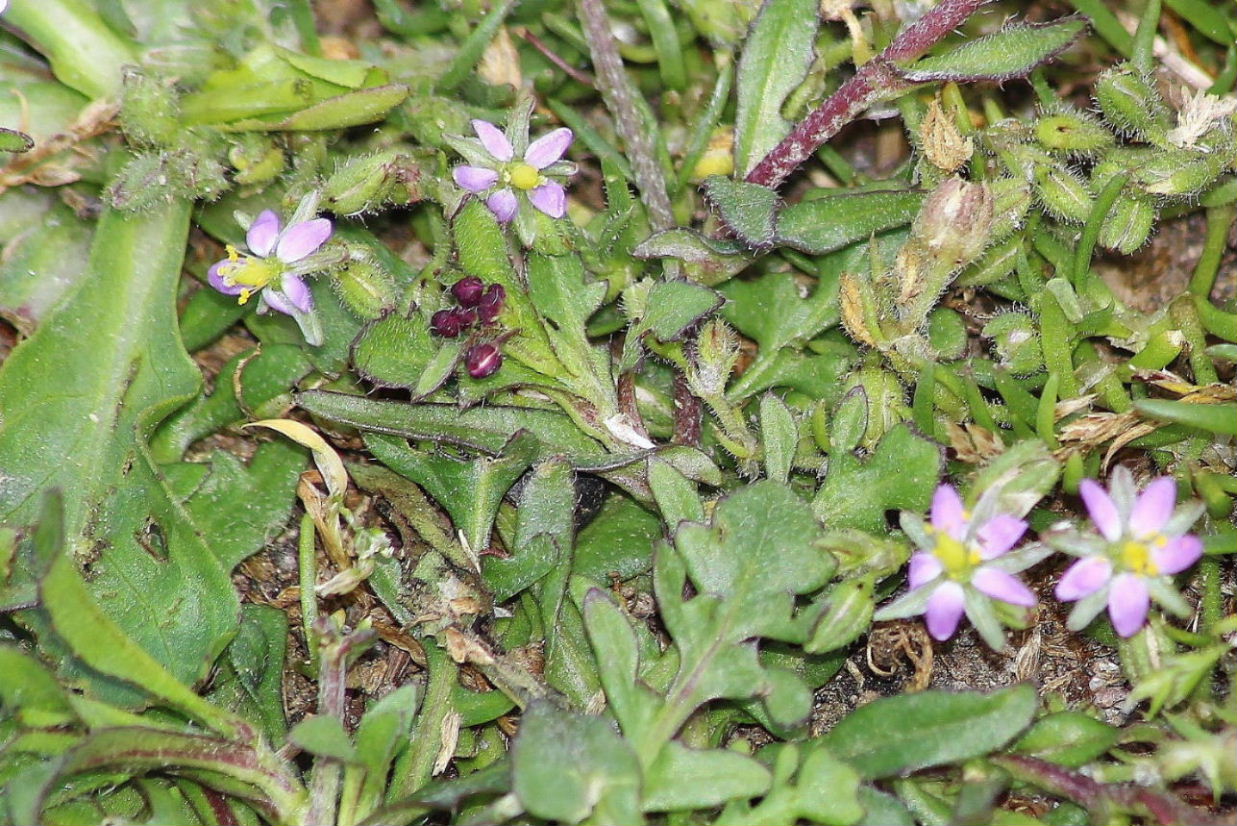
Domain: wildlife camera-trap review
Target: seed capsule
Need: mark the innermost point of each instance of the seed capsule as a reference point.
(468, 290)
(445, 323)
(491, 303)
(483, 360)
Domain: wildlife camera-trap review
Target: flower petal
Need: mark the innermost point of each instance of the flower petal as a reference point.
(1086, 576)
(1177, 555)
(548, 148)
(999, 585)
(924, 567)
(474, 178)
(303, 239)
(1102, 509)
(275, 300)
(1128, 602)
(948, 513)
(503, 204)
(494, 141)
(263, 233)
(215, 279)
(293, 288)
(944, 610)
(999, 534)
(549, 198)
(1154, 507)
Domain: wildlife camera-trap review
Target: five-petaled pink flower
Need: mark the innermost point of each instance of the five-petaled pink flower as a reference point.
(961, 566)
(1142, 542)
(277, 261)
(504, 176)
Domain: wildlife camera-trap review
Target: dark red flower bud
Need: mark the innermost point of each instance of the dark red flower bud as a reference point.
(467, 318)
(483, 360)
(468, 290)
(446, 323)
(492, 303)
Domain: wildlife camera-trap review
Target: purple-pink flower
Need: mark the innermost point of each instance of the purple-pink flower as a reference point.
(1142, 542)
(962, 566)
(274, 267)
(499, 175)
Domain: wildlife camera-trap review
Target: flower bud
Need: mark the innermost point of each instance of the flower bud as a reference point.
(955, 221)
(369, 183)
(717, 352)
(149, 110)
(468, 290)
(1128, 224)
(886, 401)
(1063, 193)
(365, 286)
(1131, 103)
(943, 144)
(483, 360)
(491, 303)
(256, 159)
(1179, 173)
(1016, 342)
(1072, 132)
(446, 323)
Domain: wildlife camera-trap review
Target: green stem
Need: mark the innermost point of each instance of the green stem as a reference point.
(1095, 222)
(308, 564)
(1219, 221)
(84, 53)
(1143, 52)
(1185, 316)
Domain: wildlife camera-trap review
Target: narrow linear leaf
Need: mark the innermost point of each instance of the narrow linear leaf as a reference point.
(1009, 53)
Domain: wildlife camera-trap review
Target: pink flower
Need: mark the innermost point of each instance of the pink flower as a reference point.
(497, 172)
(274, 268)
(956, 571)
(1142, 543)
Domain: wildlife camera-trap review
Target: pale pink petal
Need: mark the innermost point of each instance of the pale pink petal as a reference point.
(294, 289)
(999, 534)
(944, 610)
(548, 148)
(302, 239)
(215, 279)
(999, 585)
(924, 567)
(1177, 555)
(277, 301)
(1086, 576)
(1128, 602)
(1153, 508)
(494, 141)
(549, 198)
(263, 233)
(947, 512)
(503, 204)
(1102, 509)
(474, 178)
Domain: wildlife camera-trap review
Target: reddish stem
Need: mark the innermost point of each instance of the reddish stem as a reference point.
(873, 80)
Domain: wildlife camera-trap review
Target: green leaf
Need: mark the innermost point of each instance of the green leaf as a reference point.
(893, 735)
(382, 734)
(250, 678)
(324, 736)
(620, 540)
(705, 260)
(395, 351)
(469, 490)
(683, 779)
(900, 475)
(543, 532)
(42, 260)
(30, 692)
(1068, 738)
(1216, 418)
(780, 435)
(839, 219)
(748, 209)
(78, 401)
(1009, 53)
(775, 60)
(566, 767)
(13, 141)
(667, 309)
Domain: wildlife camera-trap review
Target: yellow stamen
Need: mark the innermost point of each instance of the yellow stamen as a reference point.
(523, 175)
(1137, 557)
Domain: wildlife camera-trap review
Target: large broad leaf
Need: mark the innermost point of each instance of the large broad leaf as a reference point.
(568, 766)
(898, 734)
(775, 60)
(78, 402)
(900, 475)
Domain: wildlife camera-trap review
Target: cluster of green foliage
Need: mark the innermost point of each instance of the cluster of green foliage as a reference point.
(748, 382)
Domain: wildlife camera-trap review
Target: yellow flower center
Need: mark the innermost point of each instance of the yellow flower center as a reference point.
(1137, 557)
(523, 175)
(957, 558)
(251, 273)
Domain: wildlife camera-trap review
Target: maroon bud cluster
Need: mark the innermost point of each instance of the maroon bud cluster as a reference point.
(476, 305)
